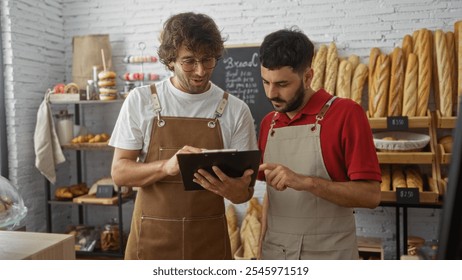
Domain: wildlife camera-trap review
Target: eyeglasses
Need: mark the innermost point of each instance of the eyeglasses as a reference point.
(189, 64)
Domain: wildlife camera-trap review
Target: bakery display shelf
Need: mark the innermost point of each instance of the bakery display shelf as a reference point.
(445, 122)
(431, 195)
(406, 157)
(86, 102)
(103, 146)
(414, 122)
(443, 157)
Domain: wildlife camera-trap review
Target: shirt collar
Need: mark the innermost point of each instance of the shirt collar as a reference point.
(312, 107)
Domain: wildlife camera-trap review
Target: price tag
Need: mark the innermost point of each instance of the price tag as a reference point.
(407, 195)
(397, 123)
(104, 191)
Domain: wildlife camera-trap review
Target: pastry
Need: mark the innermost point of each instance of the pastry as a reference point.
(63, 193)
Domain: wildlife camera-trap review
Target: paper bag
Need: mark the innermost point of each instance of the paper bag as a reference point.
(86, 53)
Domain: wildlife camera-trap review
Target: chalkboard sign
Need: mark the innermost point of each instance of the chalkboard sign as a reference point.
(238, 73)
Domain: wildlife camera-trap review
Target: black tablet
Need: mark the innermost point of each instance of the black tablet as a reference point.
(232, 163)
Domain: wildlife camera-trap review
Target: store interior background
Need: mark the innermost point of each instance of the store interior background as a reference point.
(37, 53)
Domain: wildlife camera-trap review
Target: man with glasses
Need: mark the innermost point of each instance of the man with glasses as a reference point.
(319, 159)
(183, 114)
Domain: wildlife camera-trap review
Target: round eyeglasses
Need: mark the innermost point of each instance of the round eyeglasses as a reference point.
(189, 64)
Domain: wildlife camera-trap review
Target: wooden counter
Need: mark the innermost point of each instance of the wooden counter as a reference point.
(18, 245)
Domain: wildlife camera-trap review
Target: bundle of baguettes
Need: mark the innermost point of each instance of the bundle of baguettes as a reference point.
(407, 177)
(458, 47)
(251, 229)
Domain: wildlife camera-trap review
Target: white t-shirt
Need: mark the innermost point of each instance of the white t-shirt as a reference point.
(132, 130)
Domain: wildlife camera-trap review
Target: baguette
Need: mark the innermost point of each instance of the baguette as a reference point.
(381, 85)
(424, 55)
(395, 96)
(410, 86)
(319, 68)
(414, 178)
(444, 74)
(407, 47)
(330, 78)
(231, 218)
(386, 178)
(458, 43)
(398, 178)
(354, 60)
(357, 83)
(373, 56)
(344, 79)
(450, 42)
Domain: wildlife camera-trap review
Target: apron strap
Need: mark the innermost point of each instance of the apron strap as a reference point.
(219, 110)
(322, 113)
(157, 107)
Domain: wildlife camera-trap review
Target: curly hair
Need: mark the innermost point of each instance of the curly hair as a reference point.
(287, 47)
(198, 33)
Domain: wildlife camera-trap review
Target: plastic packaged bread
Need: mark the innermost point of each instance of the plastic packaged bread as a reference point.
(357, 82)
(381, 85)
(410, 86)
(373, 56)
(344, 79)
(395, 95)
(444, 74)
(330, 78)
(423, 51)
(319, 68)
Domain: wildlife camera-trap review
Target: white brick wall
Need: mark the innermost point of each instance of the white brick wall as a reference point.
(37, 48)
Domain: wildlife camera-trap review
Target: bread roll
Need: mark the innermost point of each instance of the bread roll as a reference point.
(395, 96)
(386, 178)
(410, 86)
(414, 178)
(424, 55)
(330, 78)
(446, 141)
(381, 85)
(398, 178)
(344, 79)
(319, 68)
(373, 56)
(63, 193)
(407, 47)
(357, 83)
(444, 74)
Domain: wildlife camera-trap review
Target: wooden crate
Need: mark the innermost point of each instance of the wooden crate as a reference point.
(430, 196)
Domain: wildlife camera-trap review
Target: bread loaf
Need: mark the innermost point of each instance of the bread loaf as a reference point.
(450, 43)
(386, 177)
(231, 218)
(458, 45)
(410, 86)
(446, 142)
(250, 236)
(398, 178)
(357, 83)
(330, 78)
(395, 96)
(319, 68)
(344, 79)
(407, 47)
(373, 56)
(235, 240)
(424, 55)
(354, 60)
(414, 178)
(381, 85)
(63, 193)
(444, 74)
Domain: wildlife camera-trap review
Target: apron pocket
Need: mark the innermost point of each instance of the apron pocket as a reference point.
(272, 251)
(206, 238)
(160, 239)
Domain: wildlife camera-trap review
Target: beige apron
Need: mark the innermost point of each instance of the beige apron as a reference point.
(301, 225)
(169, 222)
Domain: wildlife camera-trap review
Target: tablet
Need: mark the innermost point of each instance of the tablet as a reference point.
(232, 163)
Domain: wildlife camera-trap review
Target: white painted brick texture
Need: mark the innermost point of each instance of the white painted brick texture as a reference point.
(37, 38)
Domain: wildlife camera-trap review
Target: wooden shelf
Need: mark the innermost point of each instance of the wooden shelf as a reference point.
(88, 146)
(414, 122)
(406, 158)
(445, 122)
(430, 196)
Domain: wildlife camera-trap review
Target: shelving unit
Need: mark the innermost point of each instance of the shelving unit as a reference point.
(81, 205)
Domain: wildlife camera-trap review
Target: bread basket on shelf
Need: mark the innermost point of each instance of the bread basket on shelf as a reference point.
(400, 141)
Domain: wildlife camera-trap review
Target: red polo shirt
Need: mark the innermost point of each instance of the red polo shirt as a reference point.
(346, 137)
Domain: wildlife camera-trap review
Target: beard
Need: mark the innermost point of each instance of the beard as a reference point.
(290, 105)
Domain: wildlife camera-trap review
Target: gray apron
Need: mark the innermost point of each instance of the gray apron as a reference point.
(300, 224)
(168, 222)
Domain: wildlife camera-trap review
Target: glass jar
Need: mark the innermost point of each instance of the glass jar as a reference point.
(110, 236)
